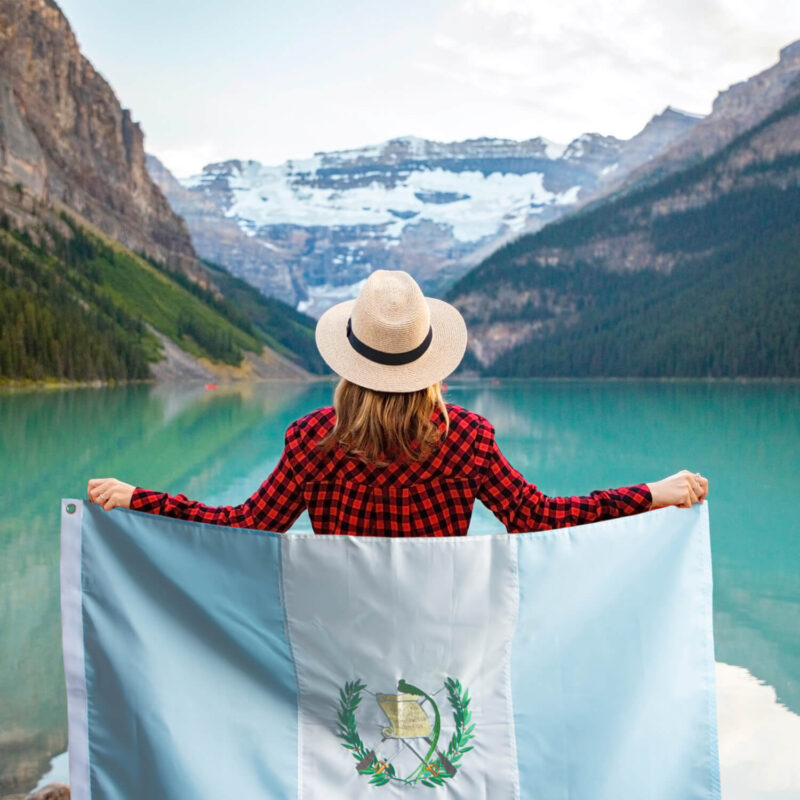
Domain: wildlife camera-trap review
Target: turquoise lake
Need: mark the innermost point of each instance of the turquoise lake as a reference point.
(568, 437)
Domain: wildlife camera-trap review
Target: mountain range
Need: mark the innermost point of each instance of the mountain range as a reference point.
(690, 267)
(671, 253)
(308, 231)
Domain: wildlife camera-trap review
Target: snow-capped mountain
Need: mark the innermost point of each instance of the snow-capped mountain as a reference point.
(309, 231)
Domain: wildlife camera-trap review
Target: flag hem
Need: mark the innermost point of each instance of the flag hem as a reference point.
(72, 645)
(711, 686)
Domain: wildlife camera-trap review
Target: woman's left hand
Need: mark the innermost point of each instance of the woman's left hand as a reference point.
(682, 489)
(110, 493)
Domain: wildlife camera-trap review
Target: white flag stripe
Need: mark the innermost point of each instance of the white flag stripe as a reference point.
(422, 610)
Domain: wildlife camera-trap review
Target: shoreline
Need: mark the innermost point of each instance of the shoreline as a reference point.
(631, 378)
(13, 386)
(23, 384)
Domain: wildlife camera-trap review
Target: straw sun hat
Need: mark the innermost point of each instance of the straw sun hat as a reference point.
(392, 338)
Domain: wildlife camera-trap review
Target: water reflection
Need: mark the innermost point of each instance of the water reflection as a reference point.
(758, 739)
(568, 437)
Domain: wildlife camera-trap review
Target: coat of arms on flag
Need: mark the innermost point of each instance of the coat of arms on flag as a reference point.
(213, 662)
(408, 721)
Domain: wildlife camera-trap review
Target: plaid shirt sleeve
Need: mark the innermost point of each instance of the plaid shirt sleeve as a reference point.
(275, 505)
(521, 507)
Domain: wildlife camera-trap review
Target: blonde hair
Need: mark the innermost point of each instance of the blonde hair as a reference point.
(379, 427)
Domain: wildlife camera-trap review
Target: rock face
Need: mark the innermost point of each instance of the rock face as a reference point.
(178, 366)
(309, 231)
(663, 132)
(64, 136)
(738, 163)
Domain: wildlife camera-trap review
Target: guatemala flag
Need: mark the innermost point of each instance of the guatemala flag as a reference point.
(213, 663)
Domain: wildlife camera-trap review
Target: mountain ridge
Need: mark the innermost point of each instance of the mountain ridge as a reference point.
(310, 230)
(556, 291)
(734, 110)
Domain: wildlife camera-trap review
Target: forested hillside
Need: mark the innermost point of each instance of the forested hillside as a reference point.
(735, 314)
(74, 306)
(282, 327)
(99, 279)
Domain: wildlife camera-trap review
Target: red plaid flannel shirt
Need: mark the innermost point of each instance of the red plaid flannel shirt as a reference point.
(433, 497)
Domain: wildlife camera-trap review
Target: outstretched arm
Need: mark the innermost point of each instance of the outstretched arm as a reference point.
(275, 505)
(521, 507)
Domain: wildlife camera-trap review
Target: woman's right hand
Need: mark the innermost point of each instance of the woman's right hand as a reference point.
(682, 489)
(110, 493)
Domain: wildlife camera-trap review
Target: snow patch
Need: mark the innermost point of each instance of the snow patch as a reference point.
(569, 197)
(553, 150)
(481, 204)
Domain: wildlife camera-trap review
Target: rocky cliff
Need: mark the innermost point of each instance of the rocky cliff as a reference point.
(72, 164)
(66, 139)
(309, 231)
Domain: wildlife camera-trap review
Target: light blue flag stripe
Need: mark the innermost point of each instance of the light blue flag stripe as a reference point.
(613, 660)
(182, 682)
(184, 634)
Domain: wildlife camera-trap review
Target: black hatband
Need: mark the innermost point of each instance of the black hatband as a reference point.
(381, 357)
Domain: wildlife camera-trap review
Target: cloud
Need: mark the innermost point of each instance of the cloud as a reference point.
(273, 81)
(607, 66)
(188, 159)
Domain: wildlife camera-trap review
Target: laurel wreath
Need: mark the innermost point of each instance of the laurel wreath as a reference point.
(382, 772)
(349, 698)
(459, 699)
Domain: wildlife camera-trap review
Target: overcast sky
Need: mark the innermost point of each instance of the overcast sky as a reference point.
(216, 79)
